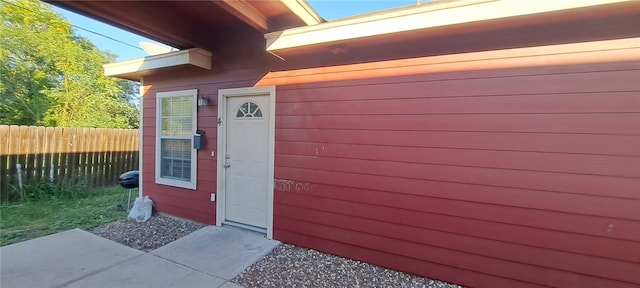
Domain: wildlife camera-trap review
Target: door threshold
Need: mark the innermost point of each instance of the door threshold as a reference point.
(245, 226)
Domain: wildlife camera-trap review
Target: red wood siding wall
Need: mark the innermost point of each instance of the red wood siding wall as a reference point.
(522, 173)
(509, 168)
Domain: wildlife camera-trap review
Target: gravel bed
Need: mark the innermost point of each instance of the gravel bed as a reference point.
(146, 236)
(286, 266)
(292, 266)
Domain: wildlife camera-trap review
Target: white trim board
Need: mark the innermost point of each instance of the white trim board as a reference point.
(137, 68)
(432, 15)
(140, 139)
(223, 95)
(304, 11)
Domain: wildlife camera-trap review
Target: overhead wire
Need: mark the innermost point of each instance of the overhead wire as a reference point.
(77, 27)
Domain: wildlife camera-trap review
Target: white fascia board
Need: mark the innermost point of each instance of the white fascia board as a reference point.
(419, 17)
(304, 11)
(135, 68)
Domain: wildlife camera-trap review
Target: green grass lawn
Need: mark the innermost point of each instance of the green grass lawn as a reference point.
(27, 220)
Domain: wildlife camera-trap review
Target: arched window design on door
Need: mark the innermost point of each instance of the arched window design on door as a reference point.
(249, 110)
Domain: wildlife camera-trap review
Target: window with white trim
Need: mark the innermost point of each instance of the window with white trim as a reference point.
(175, 126)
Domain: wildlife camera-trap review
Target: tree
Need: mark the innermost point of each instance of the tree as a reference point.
(51, 76)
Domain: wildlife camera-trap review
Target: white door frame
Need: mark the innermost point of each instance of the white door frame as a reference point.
(223, 95)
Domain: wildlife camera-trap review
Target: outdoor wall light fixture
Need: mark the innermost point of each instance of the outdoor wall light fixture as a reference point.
(203, 101)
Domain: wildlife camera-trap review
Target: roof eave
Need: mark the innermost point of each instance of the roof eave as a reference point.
(304, 11)
(136, 69)
(416, 18)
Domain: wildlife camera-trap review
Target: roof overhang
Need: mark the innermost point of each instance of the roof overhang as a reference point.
(254, 14)
(304, 11)
(196, 24)
(136, 69)
(417, 18)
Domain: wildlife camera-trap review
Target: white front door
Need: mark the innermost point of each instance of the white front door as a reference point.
(246, 160)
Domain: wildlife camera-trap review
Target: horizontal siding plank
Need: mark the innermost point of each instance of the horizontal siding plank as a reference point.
(463, 218)
(207, 186)
(208, 124)
(206, 175)
(418, 86)
(149, 138)
(445, 75)
(205, 160)
(545, 58)
(600, 267)
(181, 204)
(149, 102)
(597, 226)
(150, 111)
(199, 206)
(200, 217)
(609, 102)
(604, 186)
(194, 205)
(207, 86)
(533, 161)
(416, 73)
(620, 145)
(172, 191)
(399, 262)
(208, 82)
(146, 166)
(488, 265)
(608, 123)
(209, 170)
(149, 124)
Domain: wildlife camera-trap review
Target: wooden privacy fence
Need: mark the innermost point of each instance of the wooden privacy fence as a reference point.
(95, 156)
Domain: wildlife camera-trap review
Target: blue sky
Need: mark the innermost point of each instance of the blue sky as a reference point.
(328, 9)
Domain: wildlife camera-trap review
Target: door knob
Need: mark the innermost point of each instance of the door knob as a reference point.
(226, 163)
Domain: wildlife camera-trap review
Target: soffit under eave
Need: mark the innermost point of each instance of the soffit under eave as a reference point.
(136, 69)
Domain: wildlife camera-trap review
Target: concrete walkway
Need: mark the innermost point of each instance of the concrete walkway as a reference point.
(209, 257)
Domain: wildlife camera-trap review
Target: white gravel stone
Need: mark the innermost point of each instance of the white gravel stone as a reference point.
(292, 266)
(147, 236)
